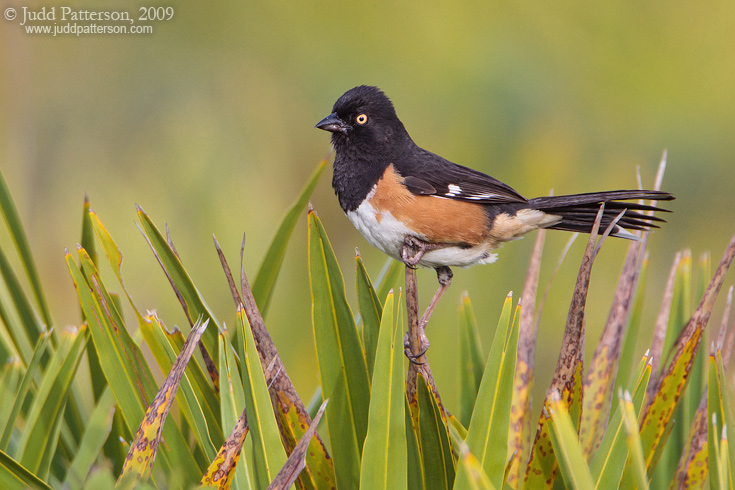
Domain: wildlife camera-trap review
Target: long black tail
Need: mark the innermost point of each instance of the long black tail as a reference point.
(578, 211)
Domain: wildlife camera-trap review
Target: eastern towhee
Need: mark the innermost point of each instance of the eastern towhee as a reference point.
(424, 210)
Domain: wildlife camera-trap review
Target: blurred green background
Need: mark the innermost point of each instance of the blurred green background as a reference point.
(208, 124)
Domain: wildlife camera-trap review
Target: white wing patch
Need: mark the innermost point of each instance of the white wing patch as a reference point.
(487, 195)
(454, 190)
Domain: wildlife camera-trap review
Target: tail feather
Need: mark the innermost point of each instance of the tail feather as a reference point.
(578, 211)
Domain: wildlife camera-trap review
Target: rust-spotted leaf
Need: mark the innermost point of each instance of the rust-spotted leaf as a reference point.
(143, 449)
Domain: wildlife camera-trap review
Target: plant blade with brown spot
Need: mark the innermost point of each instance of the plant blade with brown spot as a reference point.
(600, 378)
(291, 415)
(144, 446)
(222, 470)
(296, 462)
(662, 322)
(691, 471)
(567, 378)
(675, 375)
(230, 466)
(519, 434)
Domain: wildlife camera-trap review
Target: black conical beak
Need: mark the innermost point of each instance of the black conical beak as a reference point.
(333, 124)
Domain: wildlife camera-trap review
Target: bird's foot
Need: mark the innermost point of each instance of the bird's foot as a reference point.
(414, 249)
(423, 343)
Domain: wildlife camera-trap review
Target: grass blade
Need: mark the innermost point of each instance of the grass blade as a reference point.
(268, 453)
(12, 219)
(342, 366)
(384, 460)
(371, 311)
(478, 480)
(10, 382)
(22, 391)
(293, 418)
(471, 360)
(635, 446)
(566, 444)
(433, 438)
(608, 463)
(416, 480)
(488, 428)
(230, 469)
(268, 273)
(628, 354)
(662, 321)
(388, 277)
(129, 378)
(22, 328)
(191, 300)
(96, 433)
(37, 444)
(13, 476)
(691, 472)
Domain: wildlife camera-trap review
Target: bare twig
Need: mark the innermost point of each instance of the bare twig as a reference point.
(420, 363)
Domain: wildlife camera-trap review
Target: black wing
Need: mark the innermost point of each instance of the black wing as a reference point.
(428, 174)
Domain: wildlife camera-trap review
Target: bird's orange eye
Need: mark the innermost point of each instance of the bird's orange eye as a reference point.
(361, 119)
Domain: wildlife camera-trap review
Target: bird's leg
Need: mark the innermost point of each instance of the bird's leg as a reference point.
(414, 249)
(444, 275)
(411, 253)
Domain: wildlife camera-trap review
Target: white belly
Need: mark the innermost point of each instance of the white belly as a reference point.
(386, 233)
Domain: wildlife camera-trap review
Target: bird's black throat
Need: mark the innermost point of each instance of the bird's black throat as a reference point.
(355, 173)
